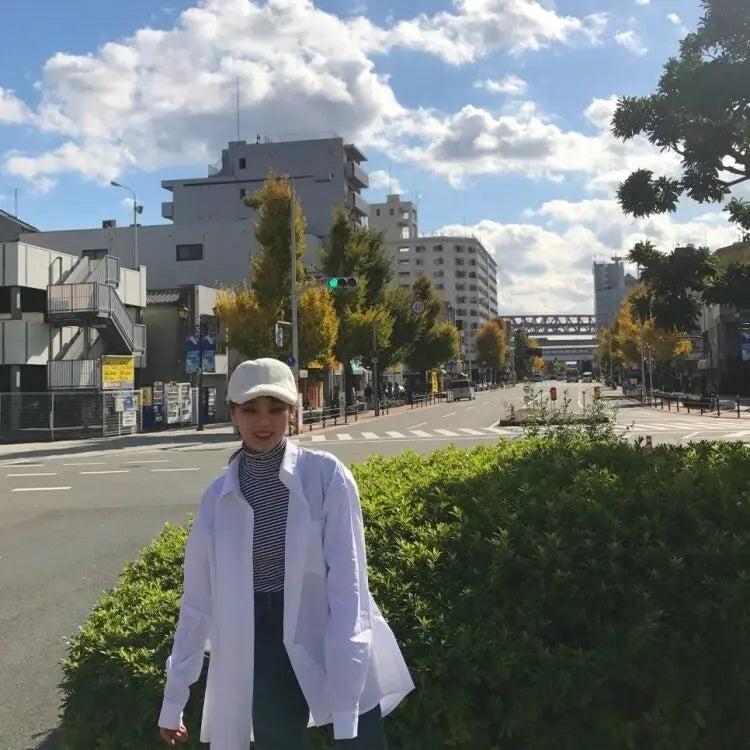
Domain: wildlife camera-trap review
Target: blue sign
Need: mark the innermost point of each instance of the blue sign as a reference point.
(291, 361)
(451, 367)
(193, 352)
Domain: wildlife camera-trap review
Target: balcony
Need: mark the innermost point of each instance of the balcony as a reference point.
(167, 210)
(357, 203)
(356, 176)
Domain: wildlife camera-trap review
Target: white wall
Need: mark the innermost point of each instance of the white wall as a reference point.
(227, 247)
(23, 264)
(132, 289)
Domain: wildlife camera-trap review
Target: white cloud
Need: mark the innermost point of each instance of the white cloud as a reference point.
(380, 179)
(642, 2)
(511, 84)
(522, 140)
(12, 110)
(674, 18)
(630, 40)
(166, 97)
(545, 267)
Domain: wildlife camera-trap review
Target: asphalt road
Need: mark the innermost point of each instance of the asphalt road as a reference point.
(70, 520)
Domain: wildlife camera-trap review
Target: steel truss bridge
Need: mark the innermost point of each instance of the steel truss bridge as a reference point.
(553, 325)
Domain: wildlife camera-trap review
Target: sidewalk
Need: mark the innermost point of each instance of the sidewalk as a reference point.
(670, 407)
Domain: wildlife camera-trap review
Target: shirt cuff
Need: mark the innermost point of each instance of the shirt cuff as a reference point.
(171, 715)
(345, 724)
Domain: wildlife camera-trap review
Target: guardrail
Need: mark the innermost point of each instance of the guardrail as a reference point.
(688, 401)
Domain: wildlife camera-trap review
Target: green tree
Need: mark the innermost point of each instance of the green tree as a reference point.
(491, 345)
(700, 111)
(252, 310)
(364, 320)
(435, 341)
(521, 358)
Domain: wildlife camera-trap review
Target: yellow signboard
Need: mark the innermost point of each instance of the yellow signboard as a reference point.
(118, 373)
(434, 382)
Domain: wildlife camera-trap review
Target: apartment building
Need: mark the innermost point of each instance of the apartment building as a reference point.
(396, 218)
(462, 271)
(210, 237)
(60, 314)
(610, 289)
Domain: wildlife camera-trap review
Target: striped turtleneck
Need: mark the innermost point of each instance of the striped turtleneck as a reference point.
(269, 499)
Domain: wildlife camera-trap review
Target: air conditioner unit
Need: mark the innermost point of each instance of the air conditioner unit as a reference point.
(109, 223)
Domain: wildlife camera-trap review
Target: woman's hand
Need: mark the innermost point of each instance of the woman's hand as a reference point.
(173, 736)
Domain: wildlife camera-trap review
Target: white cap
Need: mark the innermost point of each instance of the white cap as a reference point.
(262, 377)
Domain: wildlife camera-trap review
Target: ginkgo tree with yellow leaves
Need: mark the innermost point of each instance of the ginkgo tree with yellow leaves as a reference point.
(251, 310)
(625, 337)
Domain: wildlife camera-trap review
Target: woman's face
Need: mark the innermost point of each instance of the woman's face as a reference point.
(262, 422)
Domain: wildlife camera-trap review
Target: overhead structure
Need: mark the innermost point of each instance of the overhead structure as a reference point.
(553, 325)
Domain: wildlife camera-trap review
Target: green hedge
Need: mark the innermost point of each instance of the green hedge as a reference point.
(549, 594)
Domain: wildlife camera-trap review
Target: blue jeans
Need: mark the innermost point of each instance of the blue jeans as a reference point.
(280, 711)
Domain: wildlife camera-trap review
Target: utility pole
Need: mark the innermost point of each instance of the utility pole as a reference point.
(295, 331)
(376, 389)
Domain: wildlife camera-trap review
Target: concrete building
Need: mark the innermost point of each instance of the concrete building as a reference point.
(59, 314)
(610, 289)
(11, 227)
(397, 219)
(326, 172)
(211, 237)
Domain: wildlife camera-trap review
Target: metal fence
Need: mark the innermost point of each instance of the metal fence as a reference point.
(36, 417)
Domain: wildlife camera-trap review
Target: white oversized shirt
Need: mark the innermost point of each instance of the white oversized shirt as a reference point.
(343, 653)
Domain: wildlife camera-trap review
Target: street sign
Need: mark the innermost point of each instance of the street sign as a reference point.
(291, 361)
(417, 307)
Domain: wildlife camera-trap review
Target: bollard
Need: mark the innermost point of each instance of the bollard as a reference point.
(649, 444)
(738, 406)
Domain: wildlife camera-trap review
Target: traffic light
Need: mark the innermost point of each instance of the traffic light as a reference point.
(342, 282)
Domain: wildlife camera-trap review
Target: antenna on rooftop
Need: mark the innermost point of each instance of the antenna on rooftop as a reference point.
(390, 181)
(237, 98)
(15, 202)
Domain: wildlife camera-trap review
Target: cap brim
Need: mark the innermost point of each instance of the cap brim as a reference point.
(270, 391)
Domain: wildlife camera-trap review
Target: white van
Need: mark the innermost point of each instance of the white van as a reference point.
(462, 389)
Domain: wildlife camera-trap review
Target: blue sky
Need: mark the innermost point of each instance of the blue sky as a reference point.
(493, 114)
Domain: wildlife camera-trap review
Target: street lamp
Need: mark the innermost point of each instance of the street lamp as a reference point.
(183, 312)
(137, 209)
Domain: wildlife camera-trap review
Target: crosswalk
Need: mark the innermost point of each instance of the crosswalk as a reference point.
(434, 434)
(678, 425)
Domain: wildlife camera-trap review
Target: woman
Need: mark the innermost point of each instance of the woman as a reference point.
(275, 587)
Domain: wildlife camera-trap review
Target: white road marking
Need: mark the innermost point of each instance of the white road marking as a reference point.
(107, 471)
(691, 435)
(735, 435)
(38, 489)
(447, 433)
(416, 425)
(184, 468)
(470, 431)
(496, 430)
(34, 474)
(395, 434)
(344, 436)
(370, 435)
(420, 433)
(318, 438)
(87, 463)
(450, 414)
(19, 464)
(469, 408)
(149, 461)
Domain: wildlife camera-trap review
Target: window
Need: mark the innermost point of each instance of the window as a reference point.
(438, 248)
(403, 286)
(460, 287)
(461, 311)
(190, 252)
(243, 193)
(458, 248)
(472, 261)
(459, 261)
(95, 254)
(472, 287)
(243, 165)
(473, 313)
(472, 274)
(460, 274)
(460, 300)
(401, 262)
(472, 250)
(439, 287)
(401, 250)
(404, 214)
(438, 274)
(405, 233)
(402, 274)
(390, 212)
(420, 248)
(419, 261)
(377, 213)
(437, 261)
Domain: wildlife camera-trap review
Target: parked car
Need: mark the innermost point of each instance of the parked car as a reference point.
(587, 377)
(462, 389)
